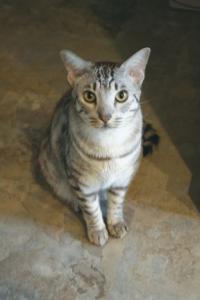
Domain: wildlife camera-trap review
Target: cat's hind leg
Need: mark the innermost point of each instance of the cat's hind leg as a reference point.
(56, 179)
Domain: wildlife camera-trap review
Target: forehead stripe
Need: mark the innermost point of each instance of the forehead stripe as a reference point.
(111, 82)
(88, 86)
(94, 86)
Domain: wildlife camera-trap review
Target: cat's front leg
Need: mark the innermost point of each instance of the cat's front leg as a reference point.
(115, 216)
(96, 229)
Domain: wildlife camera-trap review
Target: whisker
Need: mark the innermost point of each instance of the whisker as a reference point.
(145, 101)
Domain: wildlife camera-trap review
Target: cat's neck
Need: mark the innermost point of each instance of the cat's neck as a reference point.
(112, 140)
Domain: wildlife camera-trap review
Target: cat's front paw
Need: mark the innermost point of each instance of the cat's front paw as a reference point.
(98, 237)
(118, 230)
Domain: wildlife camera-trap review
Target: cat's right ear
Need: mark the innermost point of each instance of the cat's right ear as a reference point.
(75, 65)
(136, 64)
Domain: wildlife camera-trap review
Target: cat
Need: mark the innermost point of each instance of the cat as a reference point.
(94, 142)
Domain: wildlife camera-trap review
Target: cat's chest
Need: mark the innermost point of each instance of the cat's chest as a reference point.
(112, 170)
(103, 174)
(107, 157)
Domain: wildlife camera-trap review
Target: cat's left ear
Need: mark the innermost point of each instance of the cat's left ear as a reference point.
(136, 64)
(75, 65)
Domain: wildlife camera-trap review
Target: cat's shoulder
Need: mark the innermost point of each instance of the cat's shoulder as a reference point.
(64, 100)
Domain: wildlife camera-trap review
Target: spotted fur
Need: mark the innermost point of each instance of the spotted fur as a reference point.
(95, 148)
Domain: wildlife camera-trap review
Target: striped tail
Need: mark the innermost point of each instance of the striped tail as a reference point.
(150, 138)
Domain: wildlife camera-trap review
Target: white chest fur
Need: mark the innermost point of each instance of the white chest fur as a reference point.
(117, 151)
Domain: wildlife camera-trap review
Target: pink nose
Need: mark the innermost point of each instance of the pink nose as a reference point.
(104, 117)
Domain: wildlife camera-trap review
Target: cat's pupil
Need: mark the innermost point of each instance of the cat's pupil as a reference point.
(90, 96)
(121, 94)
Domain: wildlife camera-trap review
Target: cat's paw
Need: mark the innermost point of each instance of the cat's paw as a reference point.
(118, 230)
(98, 237)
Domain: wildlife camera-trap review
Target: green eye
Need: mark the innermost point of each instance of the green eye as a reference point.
(121, 96)
(89, 96)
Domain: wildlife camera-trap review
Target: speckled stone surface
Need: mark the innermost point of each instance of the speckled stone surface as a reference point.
(44, 253)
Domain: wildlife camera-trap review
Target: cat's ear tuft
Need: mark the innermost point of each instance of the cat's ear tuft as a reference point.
(74, 65)
(136, 64)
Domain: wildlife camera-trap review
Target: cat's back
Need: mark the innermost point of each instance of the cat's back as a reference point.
(59, 126)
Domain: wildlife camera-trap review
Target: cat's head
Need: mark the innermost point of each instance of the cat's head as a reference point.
(106, 94)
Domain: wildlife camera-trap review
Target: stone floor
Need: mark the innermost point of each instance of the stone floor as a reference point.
(44, 253)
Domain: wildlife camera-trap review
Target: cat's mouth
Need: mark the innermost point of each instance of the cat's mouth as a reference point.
(101, 125)
(105, 125)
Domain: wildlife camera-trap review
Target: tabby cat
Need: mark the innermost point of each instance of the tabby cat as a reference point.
(94, 143)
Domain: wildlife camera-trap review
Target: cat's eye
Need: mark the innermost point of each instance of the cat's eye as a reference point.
(89, 96)
(121, 96)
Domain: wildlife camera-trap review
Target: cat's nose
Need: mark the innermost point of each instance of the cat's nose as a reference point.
(104, 117)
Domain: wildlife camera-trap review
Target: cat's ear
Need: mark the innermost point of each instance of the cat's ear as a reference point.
(74, 65)
(136, 64)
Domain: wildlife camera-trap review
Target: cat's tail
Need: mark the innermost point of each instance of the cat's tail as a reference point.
(150, 138)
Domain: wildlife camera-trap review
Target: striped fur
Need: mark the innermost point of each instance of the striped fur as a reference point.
(96, 147)
(150, 138)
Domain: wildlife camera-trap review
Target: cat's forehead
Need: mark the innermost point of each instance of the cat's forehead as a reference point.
(107, 76)
(105, 72)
